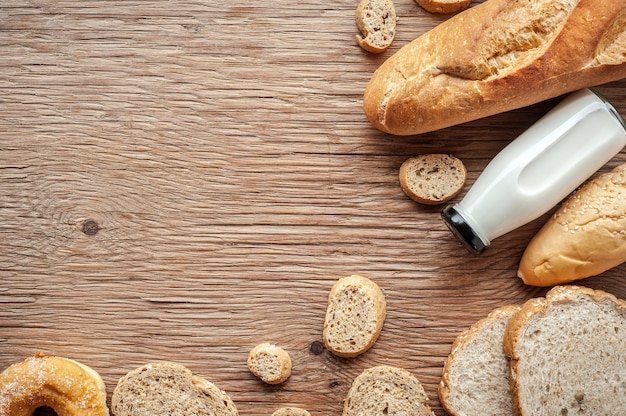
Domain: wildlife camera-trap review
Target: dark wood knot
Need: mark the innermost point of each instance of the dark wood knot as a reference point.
(90, 227)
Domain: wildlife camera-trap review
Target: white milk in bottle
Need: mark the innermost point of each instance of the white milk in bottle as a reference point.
(538, 169)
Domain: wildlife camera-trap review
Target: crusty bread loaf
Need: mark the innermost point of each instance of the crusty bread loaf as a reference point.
(376, 20)
(475, 377)
(432, 178)
(354, 317)
(568, 354)
(168, 389)
(444, 6)
(386, 390)
(584, 237)
(270, 363)
(494, 57)
(291, 411)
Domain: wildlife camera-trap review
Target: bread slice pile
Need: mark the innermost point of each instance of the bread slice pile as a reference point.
(562, 354)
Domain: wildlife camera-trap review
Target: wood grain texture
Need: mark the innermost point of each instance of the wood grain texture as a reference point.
(181, 180)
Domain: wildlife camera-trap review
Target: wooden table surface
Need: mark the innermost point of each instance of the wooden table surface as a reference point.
(181, 180)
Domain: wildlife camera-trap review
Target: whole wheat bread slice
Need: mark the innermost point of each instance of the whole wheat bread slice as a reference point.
(568, 354)
(475, 377)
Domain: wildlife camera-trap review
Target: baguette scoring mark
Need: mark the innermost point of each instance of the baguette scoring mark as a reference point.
(519, 29)
(611, 49)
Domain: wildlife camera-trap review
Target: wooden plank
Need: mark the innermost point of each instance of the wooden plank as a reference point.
(181, 180)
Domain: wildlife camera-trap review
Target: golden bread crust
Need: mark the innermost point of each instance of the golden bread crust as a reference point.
(64, 385)
(496, 57)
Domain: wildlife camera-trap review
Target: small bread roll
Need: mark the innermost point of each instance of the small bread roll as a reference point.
(354, 317)
(432, 178)
(585, 237)
(270, 363)
(376, 19)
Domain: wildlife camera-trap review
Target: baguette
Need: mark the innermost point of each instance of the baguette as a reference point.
(497, 56)
(584, 237)
(568, 354)
(432, 178)
(270, 363)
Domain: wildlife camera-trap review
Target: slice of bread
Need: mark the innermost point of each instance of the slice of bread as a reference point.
(376, 20)
(270, 363)
(444, 6)
(386, 390)
(475, 377)
(168, 389)
(291, 411)
(568, 354)
(354, 317)
(432, 178)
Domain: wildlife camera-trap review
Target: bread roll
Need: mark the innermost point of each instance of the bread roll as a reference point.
(497, 56)
(584, 237)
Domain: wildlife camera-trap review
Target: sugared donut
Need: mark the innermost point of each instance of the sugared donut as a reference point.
(66, 386)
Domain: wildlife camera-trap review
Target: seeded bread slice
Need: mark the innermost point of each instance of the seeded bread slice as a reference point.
(168, 389)
(386, 390)
(444, 6)
(270, 363)
(376, 19)
(432, 178)
(291, 411)
(475, 377)
(354, 317)
(568, 354)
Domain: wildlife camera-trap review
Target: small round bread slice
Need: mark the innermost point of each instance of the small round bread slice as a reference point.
(386, 390)
(166, 388)
(432, 178)
(291, 411)
(444, 6)
(475, 377)
(354, 317)
(270, 363)
(376, 19)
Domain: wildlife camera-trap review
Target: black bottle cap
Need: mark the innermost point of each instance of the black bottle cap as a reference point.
(462, 230)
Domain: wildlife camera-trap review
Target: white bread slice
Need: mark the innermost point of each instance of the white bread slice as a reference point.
(475, 377)
(568, 354)
(270, 363)
(354, 317)
(444, 6)
(386, 390)
(168, 389)
(376, 20)
(432, 178)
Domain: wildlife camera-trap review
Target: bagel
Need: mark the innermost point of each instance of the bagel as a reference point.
(65, 386)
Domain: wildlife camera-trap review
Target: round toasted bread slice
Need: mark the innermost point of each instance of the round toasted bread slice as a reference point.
(166, 388)
(386, 390)
(432, 178)
(270, 363)
(376, 20)
(354, 317)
